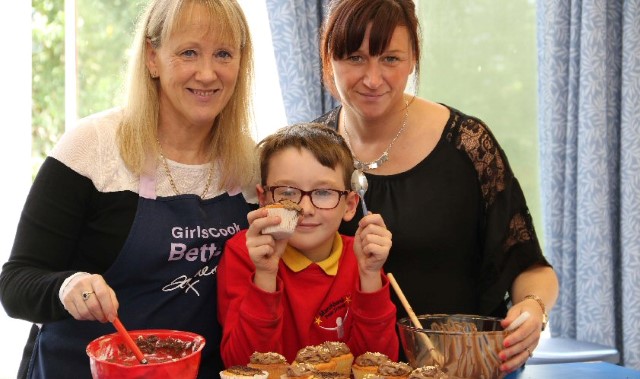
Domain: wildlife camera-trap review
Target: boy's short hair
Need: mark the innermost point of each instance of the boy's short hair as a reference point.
(326, 145)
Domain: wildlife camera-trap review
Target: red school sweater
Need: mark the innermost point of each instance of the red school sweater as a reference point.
(313, 303)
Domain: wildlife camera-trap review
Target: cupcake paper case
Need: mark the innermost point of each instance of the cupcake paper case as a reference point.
(288, 211)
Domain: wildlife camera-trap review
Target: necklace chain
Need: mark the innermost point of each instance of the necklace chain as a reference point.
(170, 177)
(372, 165)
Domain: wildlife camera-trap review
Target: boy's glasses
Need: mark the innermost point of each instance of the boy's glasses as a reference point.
(321, 198)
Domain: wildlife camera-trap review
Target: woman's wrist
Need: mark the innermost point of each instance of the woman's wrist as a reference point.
(66, 282)
(545, 315)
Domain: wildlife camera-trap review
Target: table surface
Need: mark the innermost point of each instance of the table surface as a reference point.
(582, 370)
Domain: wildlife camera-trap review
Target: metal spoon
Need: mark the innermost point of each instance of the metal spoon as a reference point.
(360, 185)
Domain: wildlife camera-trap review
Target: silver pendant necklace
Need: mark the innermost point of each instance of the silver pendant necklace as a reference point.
(372, 165)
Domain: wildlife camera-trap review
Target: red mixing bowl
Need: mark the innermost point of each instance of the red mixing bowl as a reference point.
(177, 355)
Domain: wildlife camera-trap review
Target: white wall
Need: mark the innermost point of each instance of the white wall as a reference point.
(268, 107)
(15, 155)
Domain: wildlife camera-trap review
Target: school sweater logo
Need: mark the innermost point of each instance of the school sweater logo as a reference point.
(339, 307)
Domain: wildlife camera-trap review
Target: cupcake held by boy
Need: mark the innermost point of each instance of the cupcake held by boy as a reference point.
(288, 211)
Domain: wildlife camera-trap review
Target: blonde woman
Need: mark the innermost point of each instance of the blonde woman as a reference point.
(130, 213)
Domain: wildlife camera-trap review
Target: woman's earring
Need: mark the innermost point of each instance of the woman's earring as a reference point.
(154, 75)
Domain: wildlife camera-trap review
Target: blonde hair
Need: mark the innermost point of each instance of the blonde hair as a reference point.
(230, 140)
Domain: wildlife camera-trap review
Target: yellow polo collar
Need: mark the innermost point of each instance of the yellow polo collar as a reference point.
(297, 262)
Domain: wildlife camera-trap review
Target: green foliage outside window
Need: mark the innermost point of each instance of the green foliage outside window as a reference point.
(104, 34)
(48, 76)
(480, 57)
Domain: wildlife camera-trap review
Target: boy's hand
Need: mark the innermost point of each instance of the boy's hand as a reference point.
(372, 243)
(264, 250)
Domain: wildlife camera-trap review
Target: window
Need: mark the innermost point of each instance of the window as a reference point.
(480, 57)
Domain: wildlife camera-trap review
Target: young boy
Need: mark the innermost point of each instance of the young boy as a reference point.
(283, 295)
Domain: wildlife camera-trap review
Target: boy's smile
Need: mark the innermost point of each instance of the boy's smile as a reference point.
(316, 228)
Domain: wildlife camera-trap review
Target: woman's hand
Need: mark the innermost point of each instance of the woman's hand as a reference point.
(264, 250)
(89, 297)
(371, 246)
(522, 341)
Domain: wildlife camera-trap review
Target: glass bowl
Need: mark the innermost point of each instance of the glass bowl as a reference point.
(464, 346)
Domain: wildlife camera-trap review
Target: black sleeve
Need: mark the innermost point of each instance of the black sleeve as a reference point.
(45, 244)
(510, 244)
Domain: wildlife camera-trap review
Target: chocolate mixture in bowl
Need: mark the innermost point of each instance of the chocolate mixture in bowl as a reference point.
(156, 349)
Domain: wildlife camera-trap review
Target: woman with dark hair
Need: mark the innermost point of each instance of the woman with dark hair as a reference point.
(463, 240)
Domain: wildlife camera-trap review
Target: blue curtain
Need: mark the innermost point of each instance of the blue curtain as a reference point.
(589, 119)
(295, 29)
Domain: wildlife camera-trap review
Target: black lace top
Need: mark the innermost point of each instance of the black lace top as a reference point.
(461, 228)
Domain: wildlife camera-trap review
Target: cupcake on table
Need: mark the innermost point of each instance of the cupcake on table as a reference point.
(273, 363)
(318, 356)
(341, 354)
(367, 363)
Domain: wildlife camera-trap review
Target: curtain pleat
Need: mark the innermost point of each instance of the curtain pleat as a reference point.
(589, 112)
(295, 27)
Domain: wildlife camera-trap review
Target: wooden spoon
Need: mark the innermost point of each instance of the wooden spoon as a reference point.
(435, 354)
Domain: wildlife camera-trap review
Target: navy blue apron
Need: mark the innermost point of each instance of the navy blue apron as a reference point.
(164, 278)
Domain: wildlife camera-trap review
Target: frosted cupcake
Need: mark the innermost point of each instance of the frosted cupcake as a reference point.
(394, 370)
(318, 356)
(331, 375)
(288, 211)
(243, 372)
(273, 363)
(341, 354)
(428, 372)
(299, 371)
(367, 363)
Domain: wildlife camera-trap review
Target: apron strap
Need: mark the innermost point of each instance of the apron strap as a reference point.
(147, 181)
(147, 186)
